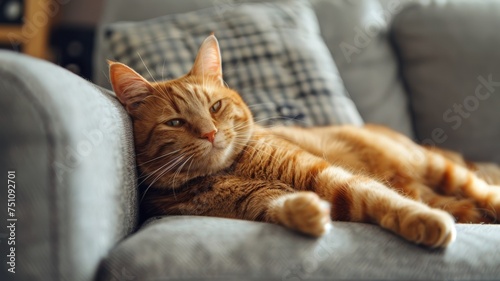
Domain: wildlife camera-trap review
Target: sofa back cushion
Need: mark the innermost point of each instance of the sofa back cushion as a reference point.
(449, 53)
(356, 33)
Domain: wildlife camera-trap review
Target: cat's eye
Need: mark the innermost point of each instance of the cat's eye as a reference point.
(175, 122)
(215, 107)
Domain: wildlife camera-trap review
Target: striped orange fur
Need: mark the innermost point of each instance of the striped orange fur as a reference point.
(199, 152)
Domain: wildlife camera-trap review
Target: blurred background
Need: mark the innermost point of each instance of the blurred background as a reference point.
(61, 31)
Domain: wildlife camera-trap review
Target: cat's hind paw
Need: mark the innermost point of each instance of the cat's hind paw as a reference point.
(307, 213)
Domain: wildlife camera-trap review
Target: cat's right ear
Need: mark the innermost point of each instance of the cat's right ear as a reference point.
(129, 86)
(208, 62)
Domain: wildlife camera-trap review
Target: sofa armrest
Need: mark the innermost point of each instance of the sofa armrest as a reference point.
(70, 145)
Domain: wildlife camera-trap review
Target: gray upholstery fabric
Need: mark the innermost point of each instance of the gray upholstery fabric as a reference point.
(202, 248)
(71, 147)
(449, 50)
(356, 32)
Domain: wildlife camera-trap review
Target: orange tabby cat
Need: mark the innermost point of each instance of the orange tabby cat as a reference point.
(200, 153)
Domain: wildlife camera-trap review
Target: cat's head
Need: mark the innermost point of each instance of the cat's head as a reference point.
(187, 127)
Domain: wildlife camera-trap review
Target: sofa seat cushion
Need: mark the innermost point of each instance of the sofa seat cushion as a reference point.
(207, 248)
(272, 54)
(449, 53)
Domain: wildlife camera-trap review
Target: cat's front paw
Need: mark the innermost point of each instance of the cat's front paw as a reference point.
(307, 213)
(432, 228)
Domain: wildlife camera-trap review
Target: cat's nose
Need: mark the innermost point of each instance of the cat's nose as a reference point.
(210, 136)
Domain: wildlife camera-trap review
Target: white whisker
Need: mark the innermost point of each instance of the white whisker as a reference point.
(163, 70)
(162, 156)
(177, 172)
(161, 167)
(152, 77)
(162, 173)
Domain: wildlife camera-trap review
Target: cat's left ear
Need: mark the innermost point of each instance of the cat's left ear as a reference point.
(129, 86)
(208, 61)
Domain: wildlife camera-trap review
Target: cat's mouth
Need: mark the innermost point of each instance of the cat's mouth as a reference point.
(215, 148)
(219, 149)
(220, 142)
(219, 145)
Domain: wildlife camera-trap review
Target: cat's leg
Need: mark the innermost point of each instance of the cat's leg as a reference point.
(463, 210)
(446, 172)
(249, 199)
(277, 203)
(489, 172)
(353, 197)
(449, 174)
(448, 178)
(362, 199)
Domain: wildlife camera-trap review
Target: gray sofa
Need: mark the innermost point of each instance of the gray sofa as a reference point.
(429, 71)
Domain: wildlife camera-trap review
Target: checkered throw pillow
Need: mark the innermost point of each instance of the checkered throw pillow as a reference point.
(272, 54)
